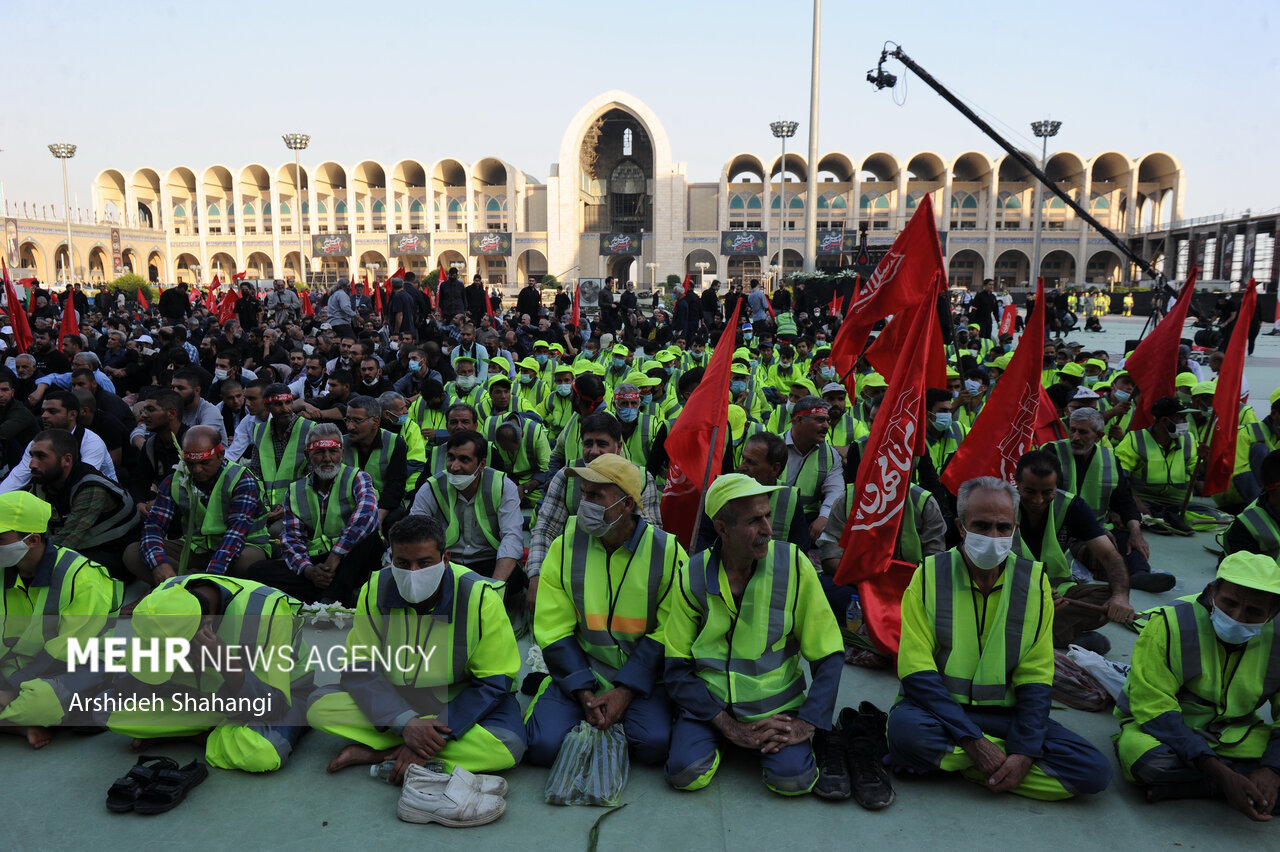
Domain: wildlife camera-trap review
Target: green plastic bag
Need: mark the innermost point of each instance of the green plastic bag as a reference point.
(592, 767)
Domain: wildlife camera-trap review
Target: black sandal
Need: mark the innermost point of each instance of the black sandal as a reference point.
(124, 793)
(170, 787)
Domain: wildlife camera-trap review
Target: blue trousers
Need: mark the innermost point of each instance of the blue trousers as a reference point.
(1068, 765)
(695, 757)
(646, 723)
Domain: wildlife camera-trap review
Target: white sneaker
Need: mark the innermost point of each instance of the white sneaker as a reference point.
(451, 801)
(490, 785)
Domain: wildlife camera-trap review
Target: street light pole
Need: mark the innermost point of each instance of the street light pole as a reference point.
(1043, 130)
(702, 274)
(65, 151)
(811, 184)
(298, 142)
(783, 130)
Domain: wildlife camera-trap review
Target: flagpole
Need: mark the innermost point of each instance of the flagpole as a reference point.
(706, 479)
(1200, 463)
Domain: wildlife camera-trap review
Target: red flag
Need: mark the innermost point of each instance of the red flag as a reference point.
(835, 303)
(1226, 401)
(575, 318)
(307, 310)
(1049, 426)
(1154, 365)
(881, 600)
(1008, 319)
(211, 301)
(890, 347)
(69, 324)
(240, 276)
(227, 309)
(364, 286)
(142, 299)
(17, 317)
(377, 297)
(905, 275)
(488, 303)
(689, 447)
(688, 281)
(1006, 426)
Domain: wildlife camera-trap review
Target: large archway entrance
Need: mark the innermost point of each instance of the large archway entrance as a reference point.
(617, 163)
(1058, 269)
(530, 264)
(966, 269)
(623, 268)
(1011, 269)
(743, 269)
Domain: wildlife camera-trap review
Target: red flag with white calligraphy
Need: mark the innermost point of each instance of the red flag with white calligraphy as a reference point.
(1154, 363)
(1226, 401)
(1008, 319)
(1006, 426)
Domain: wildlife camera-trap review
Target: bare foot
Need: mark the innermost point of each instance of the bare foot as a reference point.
(358, 755)
(38, 737)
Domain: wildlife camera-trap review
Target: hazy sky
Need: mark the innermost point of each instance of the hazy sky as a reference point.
(166, 84)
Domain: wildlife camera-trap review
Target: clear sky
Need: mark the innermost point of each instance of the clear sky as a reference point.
(177, 83)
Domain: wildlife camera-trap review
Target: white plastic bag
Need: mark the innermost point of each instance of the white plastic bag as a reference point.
(1109, 673)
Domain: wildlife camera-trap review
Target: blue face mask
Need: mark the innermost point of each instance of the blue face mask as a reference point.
(590, 354)
(1121, 396)
(628, 415)
(565, 389)
(738, 386)
(1231, 631)
(414, 364)
(1007, 347)
(972, 386)
(747, 335)
(619, 363)
(542, 358)
(671, 371)
(942, 420)
(402, 419)
(828, 374)
(647, 399)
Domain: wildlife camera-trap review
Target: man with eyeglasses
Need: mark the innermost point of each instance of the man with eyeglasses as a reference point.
(378, 452)
(814, 468)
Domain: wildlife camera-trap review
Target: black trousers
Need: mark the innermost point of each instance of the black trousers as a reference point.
(353, 572)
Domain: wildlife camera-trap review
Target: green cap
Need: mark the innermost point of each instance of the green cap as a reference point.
(734, 486)
(1251, 570)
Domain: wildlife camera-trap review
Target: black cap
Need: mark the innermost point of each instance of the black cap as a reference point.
(1167, 407)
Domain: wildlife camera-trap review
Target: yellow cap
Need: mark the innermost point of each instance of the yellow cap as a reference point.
(620, 350)
(734, 486)
(952, 373)
(1251, 570)
(1072, 369)
(666, 356)
(1185, 380)
(1002, 363)
(806, 384)
(529, 364)
(871, 380)
(739, 370)
(612, 469)
(502, 364)
(1096, 362)
(1275, 395)
(1209, 387)
(557, 347)
(170, 612)
(499, 379)
(22, 511)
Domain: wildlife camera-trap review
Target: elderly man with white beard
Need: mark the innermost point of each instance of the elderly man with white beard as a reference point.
(330, 537)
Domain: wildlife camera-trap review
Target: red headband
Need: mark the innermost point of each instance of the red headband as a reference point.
(324, 444)
(807, 411)
(201, 455)
(628, 395)
(281, 397)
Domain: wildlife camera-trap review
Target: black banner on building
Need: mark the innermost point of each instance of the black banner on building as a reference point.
(410, 244)
(613, 245)
(491, 244)
(331, 245)
(753, 243)
(837, 242)
(117, 252)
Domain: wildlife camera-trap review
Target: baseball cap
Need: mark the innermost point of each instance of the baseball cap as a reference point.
(168, 612)
(872, 380)
(733, 486)
(24, 512)
(833, 387)
(1208, 387)
(1251, 570)
(613, 469)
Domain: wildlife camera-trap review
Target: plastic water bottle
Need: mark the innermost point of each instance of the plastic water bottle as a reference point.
(853, 616)
(383, 770)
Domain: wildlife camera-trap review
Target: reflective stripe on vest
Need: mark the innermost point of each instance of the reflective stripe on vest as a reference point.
(432, 419)
(467, 588)
(379, 457)
(607, 635)
(109, 527)
(1054, 559)
(1168, 470)
(1262, 527)
(487, 501)
(638, 453)
(783, 502)
(810, 476)
(209, 517)
(974, 674)
(67, 564)
(279, 474)
(768, 678)
(1100, 477)
(523, 464)
(325, 523)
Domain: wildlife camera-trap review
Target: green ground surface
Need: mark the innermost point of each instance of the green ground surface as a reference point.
(53, 799)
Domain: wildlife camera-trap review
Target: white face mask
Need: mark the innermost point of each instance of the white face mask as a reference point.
(221, 374)
(591, 518)
(462, 481)
(987, 552)
(466, 383)
(12, 554)
(1231, 631)
(1181, 429)
(418, 585)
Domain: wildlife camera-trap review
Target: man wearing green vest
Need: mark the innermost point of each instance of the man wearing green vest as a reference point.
(449, 700)
(1048, 520)
(246, 682)
(845, 426)
(1090, 471)
(1161, 461)
(49, 597)
(814, 468)
(380, 453)
(603, 602)
(278, 451)
(480, 509)
(395, 418)
(742, 680)
(211, 521)
(330, 536)
(964, 705)
(520, 448)
(1202, 668)
(1117, 405)
(1257, 528)
(558, 408)
(764, 459)
(638, 429)
(943, 432)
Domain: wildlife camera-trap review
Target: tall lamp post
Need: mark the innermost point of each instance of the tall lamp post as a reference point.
(297, 142)
(195, 274)
(1043, 130)
(783, 130)
(702, 274)
(65, 151)
(653, 275)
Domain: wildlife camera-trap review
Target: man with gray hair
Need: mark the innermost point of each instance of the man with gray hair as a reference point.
(1091, 472)
(814, 468)
(964, 705)
(330, 538)
(339, 310)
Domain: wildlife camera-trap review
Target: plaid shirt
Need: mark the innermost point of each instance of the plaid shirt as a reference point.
(363, 522)
(246, 504)
(553, 512)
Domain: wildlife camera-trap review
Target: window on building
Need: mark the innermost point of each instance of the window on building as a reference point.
(626, 142)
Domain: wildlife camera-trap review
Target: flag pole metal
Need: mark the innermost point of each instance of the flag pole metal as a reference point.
(706, 479)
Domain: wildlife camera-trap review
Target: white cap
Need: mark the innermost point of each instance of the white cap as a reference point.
(1083, 392)
(830, 387)
(8, 329)
(146, 338)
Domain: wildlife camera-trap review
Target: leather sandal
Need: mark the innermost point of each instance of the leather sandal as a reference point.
(125, 791)
(170, 787)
